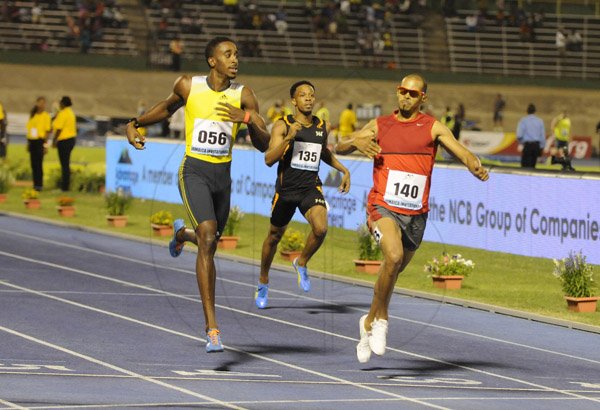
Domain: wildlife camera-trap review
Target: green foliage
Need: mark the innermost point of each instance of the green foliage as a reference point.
(6, 179)
(576, 275)
(447, 265)
(162, 218)
(21, 170)
(65, 200)
(368, 249)
(233, 221)
(30, 194)
(117, 202)
(292, 240)
(82, 179)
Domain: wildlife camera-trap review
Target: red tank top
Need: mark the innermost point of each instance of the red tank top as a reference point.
(402, 170)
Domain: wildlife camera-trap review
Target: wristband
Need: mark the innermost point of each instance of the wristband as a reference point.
(247, 116)
(136, 124)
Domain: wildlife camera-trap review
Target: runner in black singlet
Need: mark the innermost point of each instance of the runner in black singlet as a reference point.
(298, 143)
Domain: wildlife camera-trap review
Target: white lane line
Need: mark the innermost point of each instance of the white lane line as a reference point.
(304, 401)
(119, 369)
(10, 405)
(296, 296)
(304, 382)
(284, 322)
(257, 356)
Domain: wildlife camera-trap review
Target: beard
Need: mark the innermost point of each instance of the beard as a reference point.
(405, 113)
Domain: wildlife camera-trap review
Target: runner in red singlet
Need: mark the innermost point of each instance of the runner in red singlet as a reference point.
(403, 146)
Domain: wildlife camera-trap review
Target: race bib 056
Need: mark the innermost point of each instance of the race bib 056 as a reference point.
(211, 137)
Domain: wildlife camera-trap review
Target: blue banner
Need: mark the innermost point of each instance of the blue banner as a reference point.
(532, 215)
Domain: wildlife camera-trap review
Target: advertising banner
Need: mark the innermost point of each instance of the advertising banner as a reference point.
(533, 215)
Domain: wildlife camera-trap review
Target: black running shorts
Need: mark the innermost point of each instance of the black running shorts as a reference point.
(284, 205)
(412, 226)
(205, 189)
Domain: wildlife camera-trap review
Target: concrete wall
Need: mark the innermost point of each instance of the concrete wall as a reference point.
(112, 92)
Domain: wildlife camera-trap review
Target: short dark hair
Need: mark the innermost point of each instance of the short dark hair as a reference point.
(212, 44)
(66, 101)
(297, 84)
(530, 109)
(349, 106)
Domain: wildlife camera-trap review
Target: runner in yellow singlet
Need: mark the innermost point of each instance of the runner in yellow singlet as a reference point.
(215, 106)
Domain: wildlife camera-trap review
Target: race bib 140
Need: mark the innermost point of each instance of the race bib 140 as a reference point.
(405, 190)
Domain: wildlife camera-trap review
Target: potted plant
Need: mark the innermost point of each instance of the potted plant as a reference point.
(448, 271)
(162, 223)
(577, 278)
(291, 244)
(65, 206)
(31, 198)
(117, 203)
(229, 239)
(6, 180)
(369, 253)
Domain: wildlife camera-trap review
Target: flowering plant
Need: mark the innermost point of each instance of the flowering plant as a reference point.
(447, 265)
(368, 249)
(292, 240)
(576, 275)
(30, 193)
(65, 201)
(162, 218)
(233, 221)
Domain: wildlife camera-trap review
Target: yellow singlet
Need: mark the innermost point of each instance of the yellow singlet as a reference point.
(207, 137)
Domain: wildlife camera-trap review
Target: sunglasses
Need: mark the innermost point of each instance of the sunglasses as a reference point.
(412, 93)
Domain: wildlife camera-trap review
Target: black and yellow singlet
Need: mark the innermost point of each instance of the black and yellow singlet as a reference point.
(298, 169)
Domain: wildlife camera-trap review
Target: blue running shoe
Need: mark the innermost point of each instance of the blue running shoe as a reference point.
(261, 297)
(213, 341)
(303, 279)
(175, 248)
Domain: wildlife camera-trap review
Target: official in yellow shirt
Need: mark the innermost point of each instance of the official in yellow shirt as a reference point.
(65, 131)
(3, 136)
(38, 128)
(347, 122)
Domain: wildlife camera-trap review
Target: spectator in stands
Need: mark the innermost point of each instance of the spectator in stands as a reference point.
(163, 27)
(561, 41)
(38, 128)
(449, 8)
(231, 6)
(347, 122)
(73, 32)
(64, 127)
(281, 23)
(471, 22)
(3, 134)
(531, 135)
(499, 105)
(176, 50)
(36, 13)
(574, 41)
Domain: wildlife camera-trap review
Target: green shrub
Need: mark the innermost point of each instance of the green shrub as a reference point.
(233, 221)
(576, 276)
(117, 202)
(292, 240)
(6, 179)
(368, 249)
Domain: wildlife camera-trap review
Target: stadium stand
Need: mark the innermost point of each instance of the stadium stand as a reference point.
(300, 44)
(19, 29)
(502, 50)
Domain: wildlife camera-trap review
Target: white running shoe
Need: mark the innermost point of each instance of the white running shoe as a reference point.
(377, 340)
(363, 351)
